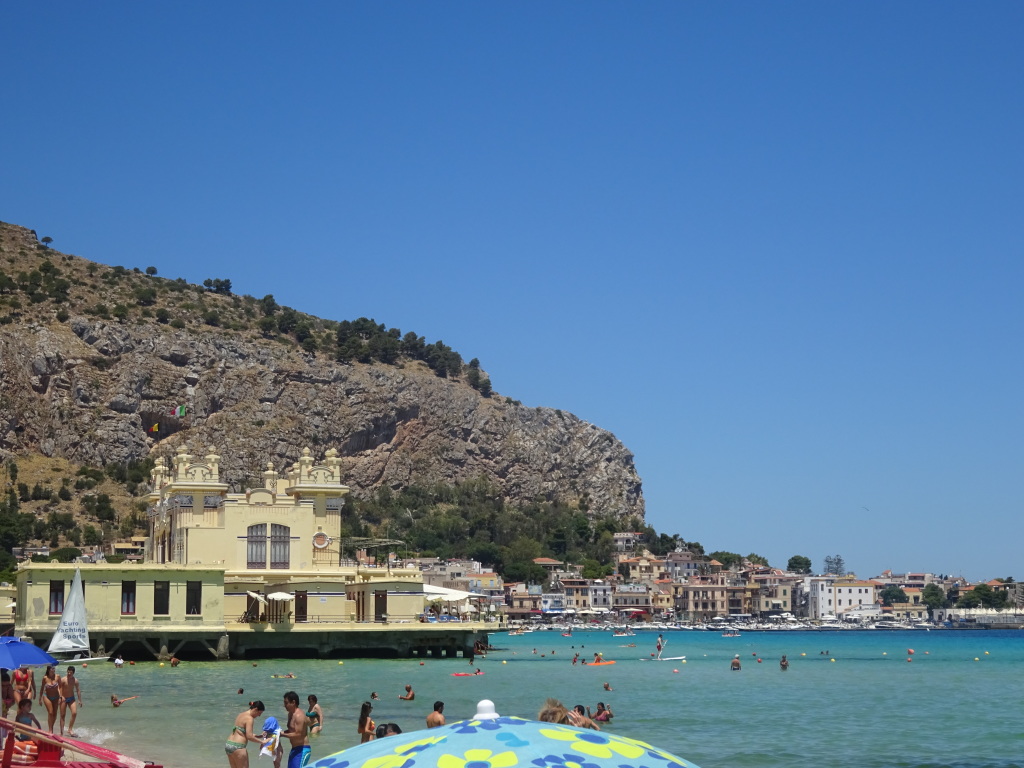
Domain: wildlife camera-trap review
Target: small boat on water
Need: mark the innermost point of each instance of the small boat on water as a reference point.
(48, 750)
(70, 643)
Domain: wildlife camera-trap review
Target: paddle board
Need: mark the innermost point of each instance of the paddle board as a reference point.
(666, 658)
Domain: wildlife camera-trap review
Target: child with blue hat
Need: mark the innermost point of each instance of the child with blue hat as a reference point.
(272, 746)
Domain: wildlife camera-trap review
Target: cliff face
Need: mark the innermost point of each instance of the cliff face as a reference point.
(90, 390)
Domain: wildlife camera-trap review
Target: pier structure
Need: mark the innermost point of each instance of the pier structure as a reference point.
(245, 575)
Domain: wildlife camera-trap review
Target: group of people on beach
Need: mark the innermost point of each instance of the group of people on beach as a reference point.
(579, 716)
(299, 725)
(368, 730)
(60, 694)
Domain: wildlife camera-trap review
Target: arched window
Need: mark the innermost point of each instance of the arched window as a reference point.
(280, 546)
(256, 546)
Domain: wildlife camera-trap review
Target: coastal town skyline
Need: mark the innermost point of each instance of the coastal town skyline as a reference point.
(773, 250)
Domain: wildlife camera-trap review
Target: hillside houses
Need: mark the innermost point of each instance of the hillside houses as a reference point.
(686, 586)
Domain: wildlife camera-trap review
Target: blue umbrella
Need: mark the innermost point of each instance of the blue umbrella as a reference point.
(14, 653)
(490, 741)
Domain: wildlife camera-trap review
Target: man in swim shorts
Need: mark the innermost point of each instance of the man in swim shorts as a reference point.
(297, 732)
(71, 698)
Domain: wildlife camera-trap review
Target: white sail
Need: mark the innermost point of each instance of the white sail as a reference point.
(72, 633)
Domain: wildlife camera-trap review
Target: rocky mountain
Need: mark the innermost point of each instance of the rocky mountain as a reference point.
(94, 359)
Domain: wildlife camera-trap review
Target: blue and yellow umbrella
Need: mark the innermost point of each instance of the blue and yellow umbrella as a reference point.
(503, 742)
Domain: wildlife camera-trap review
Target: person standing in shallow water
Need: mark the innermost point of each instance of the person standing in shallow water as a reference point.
(297, 732)
(735, 665)
(71, 698)
(436, 718)
(315, 715)
(783, 663)
(49, 695)
(237, 744)
(364, 726)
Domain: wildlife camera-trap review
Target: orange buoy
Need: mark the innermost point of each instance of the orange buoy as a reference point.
(25, 753)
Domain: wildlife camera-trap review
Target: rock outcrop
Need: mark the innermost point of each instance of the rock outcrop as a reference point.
(91, 390)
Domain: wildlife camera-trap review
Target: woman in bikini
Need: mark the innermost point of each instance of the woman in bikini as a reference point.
(49, 695)
(242, 734)
(315, 715)
(24, 685)
(365, 727)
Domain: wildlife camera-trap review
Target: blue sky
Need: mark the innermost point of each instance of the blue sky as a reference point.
(774, 247)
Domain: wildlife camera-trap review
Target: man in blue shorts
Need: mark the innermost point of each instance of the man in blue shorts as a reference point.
(297, 732)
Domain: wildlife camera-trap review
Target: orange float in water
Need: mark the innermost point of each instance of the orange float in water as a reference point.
(910, 651)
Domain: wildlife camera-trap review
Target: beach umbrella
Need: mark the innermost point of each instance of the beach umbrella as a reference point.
(15, 653)
(283, 596)
(490, 741)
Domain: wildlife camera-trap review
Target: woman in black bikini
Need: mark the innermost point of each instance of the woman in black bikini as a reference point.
(49, 695)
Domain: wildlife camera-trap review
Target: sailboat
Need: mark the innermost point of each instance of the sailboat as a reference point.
(70, 643)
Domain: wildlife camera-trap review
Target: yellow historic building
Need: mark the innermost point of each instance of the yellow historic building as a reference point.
(237, 574)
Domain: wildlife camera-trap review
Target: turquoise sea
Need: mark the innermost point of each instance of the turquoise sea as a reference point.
(959, 702)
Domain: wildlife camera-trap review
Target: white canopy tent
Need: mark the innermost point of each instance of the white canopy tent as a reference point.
(430, 592)
(284, 596)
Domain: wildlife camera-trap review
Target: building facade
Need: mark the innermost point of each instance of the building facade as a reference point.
(263, 569)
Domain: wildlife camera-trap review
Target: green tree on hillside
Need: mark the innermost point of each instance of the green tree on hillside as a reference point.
(983, 596)
(727, 559)
(834, 565)
(892, 594)
(933, 598)
(799, 564)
